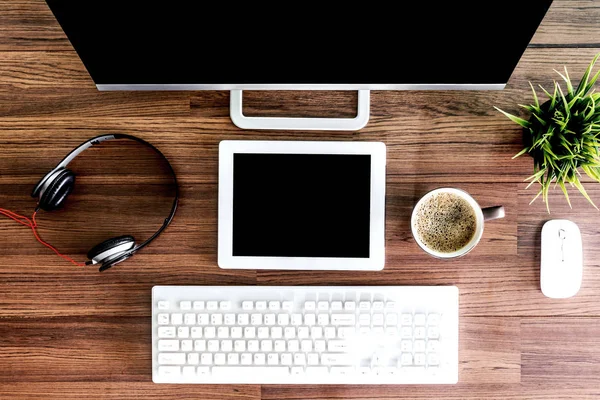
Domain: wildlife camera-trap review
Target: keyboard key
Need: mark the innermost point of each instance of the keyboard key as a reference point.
(261, 305)
(323, 305)
(256, 373)
(183, 332)
(203, 371)
(316, 332)
(287, 305)
(270, 319)
(286, 359)
(320, 345)
(193, 358)
(390, 305)
(199, 345)
(433, 319)
(280, 345)
(433, 332)
(212, 305)
(203, 319)
(336, 306)
(309, 305)
(263, 332)
(274, 305)
(259, 359)
(433, 346)
(346, 332)
(296, 319)
(206, 359)
(419, 332)
(337, 359)
(236, 332)
(250, 332)
(226, 345)
(233, 359)
(342, 370)
(303, 332)
(364, 305)
(316, 371)
(185, 305)
(433, 359)
(229, 319)
(216, 319)
(171, 358)
(256, 319)
(329, 332)
(349, 306)
(406, 359)
(169, 371)
(186, 345)
(323, 319)
(220, 359)
(273, 359)
(420, 319)
(310, 319)
(340, 346)
(266, 345)
(406, 332)
(189, 319)
(253, 345)
(299, 359)
(312, 359)
(378, 319)
(210, 332)
(343, 319)
(198, 305)
(419, 346)
(163, 319)
(289, 332)
(391, 319)
(222, 332)
(377, 305)
(246, 359)
(168, 345)
(406, 319)
(283, 319)
(277, 332)
(166, 332)
(243, 319)
(239, 345)
(406, 346)
(225, 305)
(364, 319)
(213, 345)
(420, 358)
(306, 345)
(293, 345)
(247, 305)
(163, 305)
(196, 332)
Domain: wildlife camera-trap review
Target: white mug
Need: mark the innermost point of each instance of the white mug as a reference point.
(481, 215)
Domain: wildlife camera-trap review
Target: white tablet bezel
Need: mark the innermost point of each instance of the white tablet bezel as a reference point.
(376, 260)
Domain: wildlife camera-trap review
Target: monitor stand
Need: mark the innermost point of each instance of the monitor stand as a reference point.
(304, 124)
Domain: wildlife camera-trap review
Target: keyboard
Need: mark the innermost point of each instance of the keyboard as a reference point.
(305, 334)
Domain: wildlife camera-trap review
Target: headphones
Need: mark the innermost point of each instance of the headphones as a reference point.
(54, 188)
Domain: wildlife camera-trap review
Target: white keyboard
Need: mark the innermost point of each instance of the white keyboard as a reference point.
(305, 334)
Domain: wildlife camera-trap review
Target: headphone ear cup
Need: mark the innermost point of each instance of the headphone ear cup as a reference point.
(57, 191)
(109, 251)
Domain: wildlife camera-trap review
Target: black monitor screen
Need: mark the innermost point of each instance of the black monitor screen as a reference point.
(301, 205)
(211, 43)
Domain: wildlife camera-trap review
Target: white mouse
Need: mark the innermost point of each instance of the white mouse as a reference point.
(561, 269)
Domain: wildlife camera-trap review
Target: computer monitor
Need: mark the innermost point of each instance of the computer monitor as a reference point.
(373, 45)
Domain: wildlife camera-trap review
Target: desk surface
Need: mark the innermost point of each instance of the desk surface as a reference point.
(66, 332)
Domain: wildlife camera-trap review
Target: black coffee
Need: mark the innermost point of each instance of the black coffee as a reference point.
(445, 222)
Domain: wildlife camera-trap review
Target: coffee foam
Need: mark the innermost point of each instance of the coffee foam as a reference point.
(445, 222)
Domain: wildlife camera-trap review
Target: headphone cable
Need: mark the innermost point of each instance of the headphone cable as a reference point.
(32, 223)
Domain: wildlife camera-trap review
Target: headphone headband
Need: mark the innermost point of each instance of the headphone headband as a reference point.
(102, 138)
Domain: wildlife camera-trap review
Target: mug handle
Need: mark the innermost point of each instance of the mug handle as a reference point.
(490, 213)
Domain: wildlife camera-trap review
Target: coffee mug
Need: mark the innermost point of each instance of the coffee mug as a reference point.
(480, 215)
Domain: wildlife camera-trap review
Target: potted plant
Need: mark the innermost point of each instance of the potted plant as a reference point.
(562, 135)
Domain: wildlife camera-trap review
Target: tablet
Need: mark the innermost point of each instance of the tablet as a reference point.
(301, 205)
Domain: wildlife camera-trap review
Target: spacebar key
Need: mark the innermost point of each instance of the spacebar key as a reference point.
(258, 372)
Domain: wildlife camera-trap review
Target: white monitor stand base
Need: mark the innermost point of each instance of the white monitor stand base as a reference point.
(304, 124)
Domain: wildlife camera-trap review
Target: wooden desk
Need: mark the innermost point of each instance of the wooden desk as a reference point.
(72, 333)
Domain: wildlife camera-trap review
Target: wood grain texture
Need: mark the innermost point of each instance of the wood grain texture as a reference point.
(69, 333)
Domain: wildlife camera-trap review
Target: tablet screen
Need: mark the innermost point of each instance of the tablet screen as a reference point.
(301, 205)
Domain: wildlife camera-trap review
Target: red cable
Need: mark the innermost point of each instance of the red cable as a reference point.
(31, 223)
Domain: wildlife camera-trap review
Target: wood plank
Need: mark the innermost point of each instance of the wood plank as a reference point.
(116, 390)
(570, 23)
(30, 25)
(561, 351)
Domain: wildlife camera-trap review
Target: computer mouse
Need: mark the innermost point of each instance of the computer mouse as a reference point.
(561, 269)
